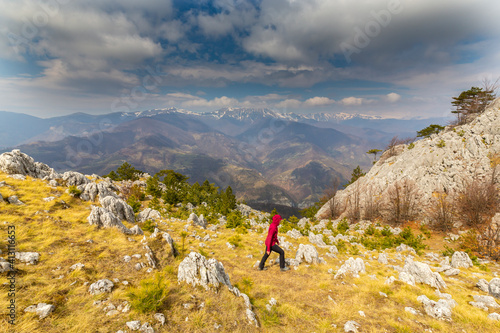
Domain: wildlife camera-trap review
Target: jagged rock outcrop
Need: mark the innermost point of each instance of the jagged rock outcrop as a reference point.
(136, 230)
(439, 310)
(4, 266)
(92, 189)
(148, 214)
(199, 221)
(119, 207)
(461, 259)
(421, 273)
(103, 218)
(435, 164)
(15, 162)
(73, 178)
(317, 239)
(307, 253)
(195, 269)
(351, 266)
(166, 236)
(494, 287)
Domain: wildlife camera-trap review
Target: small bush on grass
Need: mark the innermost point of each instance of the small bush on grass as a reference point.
(150, 295)
(149, 225)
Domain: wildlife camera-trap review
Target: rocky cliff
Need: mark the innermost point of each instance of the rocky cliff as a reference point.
(440, 163)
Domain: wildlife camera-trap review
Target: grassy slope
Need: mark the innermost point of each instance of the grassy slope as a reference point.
(60, 235)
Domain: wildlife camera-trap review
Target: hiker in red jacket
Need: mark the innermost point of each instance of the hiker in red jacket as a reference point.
(271, 244)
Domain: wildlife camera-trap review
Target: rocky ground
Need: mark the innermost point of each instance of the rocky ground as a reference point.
(85, 262)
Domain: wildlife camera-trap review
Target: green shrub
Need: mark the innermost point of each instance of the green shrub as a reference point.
(150, 295)
(235, 219)
(370, 231)
(386, 231)
(425, 231)
(134, 203)
(411, 146)
(441, 144)
(235, 240)
(74, 191)
(149, 225)
(343, 226)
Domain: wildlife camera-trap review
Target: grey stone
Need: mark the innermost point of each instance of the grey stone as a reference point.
(439, 310)
(494, 287)
(102, 218)
(382, 258)
(461, 259)
(494, 316)
(41, 309)
(136, 230)
(149, 214)
(77, 266)
(134, 325)
(102, 189)
(166, 236)
(73, 178)
(423, 274)
(15, 162)
(28, 257)
(482, 284)
(351, 326)
(118, 207)
(489, 301)
(160, 317)
(101, 286)
(5, 267)
(146, 328)
(316, 239)
(351, 266)
(195, 269)
(14, 200)
(294, 233)
(307, 253)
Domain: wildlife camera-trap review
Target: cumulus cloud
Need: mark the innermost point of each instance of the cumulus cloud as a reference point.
(318, 101)
(350, 101)
(392, 97)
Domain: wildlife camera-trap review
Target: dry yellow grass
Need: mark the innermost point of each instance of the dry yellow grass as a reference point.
(309, 298)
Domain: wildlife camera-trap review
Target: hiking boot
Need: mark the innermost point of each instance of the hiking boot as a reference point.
(286, 268)
(262, 269)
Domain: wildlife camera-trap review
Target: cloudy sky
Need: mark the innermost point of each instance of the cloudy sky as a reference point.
(394, 58)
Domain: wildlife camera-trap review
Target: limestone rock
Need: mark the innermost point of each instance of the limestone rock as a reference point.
(136, 230)
(406, 278)
(134, 325)
(195, 269)
(28, 257)
(76, 266)
(439, 310)
(101, 286)
(294, 233)
(160, 317)
(494, 316)
(101, 217)
(461, 259)
(15, 162)
(382, 258)
(351, 266)
(5, 266)
(73, 178)
(118, 207)
(148, 214)
(41, 309)
(404, 247)
(488, 301)
(423, 274)
(14, 200)
(494, 287)
(351, 326)
(199, 221)
(482, 284)
(316, 239)
(91, 190)
(307, 253)
(166, 236)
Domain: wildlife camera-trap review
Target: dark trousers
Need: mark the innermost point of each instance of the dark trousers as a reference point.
(276, 249)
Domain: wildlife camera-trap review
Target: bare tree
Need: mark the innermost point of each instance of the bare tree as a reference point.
(401, 204)
(372, 205)
(477, 201)
(441, 213)
(353, 208)
(334, 207)
(489, 241)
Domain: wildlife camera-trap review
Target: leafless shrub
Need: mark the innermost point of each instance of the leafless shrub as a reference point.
(334, 207)
(477, 201)
(401, 201)
(441, 213)
(372, 205)
(391, 149)
(489, 241)
(353, 207)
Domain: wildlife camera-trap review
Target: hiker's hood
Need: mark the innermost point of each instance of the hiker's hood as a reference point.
(276, 220)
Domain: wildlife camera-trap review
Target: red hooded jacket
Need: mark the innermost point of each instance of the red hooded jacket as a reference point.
(272, 234)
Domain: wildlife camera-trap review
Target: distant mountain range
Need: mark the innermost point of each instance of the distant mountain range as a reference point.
(265, 156)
